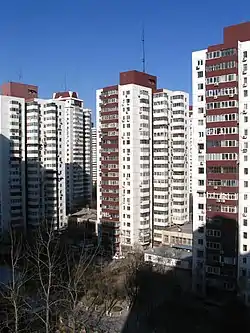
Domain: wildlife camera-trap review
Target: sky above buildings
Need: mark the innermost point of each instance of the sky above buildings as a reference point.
(90, 41)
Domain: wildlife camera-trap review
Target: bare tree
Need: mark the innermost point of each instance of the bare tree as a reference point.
(133, 263)
(13, 289)
(46, 258)
(79, 277)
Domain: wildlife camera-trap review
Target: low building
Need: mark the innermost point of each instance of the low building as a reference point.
(178, 235)
(172, 257)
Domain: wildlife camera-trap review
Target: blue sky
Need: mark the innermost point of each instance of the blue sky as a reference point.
(91, 41)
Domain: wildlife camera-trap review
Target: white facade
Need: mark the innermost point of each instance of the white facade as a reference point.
(87, 155)
(244, 170)
(199, 161)
(12, 171)
(152, 130)
(94, 155)
(45, 162)
(135, 164)
(32, 178)
(76, 149)
(170, 161)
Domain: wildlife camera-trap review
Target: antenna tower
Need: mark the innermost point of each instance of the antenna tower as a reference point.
(143, 50)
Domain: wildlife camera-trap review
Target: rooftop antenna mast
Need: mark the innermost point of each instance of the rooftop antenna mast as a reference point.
(20, 75)
(65, 82)
(143, 49)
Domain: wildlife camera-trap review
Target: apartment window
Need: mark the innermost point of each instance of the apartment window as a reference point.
(200, 206)
(245, 131)
(201, 171)
(245, 183)
(200, 122)
(245, 158)
(245, 235)
(200, 241)
(244, 248)
(245, 222)
(200, 110)
(245, 210)
(200, 74)
(200, 98)
(245, 171)
(245, 119)
(245, 196)
(244, 260)
(201, 217)
(201, 182)
(200, 86)
(245, 54)
(245, 93)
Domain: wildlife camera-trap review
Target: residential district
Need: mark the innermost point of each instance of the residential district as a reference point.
(157, 171)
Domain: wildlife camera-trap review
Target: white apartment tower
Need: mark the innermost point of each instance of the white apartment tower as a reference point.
(142, 182)
(221, 173)
(12, 170)
(45, 162)
(76, 149)
(39, 139)
(94, 155)
(170, 160)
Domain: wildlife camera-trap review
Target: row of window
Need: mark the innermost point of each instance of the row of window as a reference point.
(221, 130)
(222, 117)
(222, 196)
(222, 208)
(221, 78)
(222, 105)
(221, 66)
(221, 53)
(223, 156)
(221, 92)
(223, 182)
(222, 143)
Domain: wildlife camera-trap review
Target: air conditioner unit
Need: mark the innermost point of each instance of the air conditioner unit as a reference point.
(231, 95)
(244, 151)
(244, 111)
(244, 85)
(244, 72)
(215, 97)
(215, 187)
(216, 83)
(244, 215)
(244, 137)
(244, 59)
(197, 68)
(218, 200)
(201, 163)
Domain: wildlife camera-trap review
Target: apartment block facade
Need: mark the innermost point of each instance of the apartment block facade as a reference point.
(170, 160)
(94, 155)
(77, 150)
(221, 225)
(135, 125)
(39, 139)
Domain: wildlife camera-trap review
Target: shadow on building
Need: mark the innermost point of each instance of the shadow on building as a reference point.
(165, 301)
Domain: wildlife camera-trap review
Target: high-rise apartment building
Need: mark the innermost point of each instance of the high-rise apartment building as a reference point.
(12, 168)
(221, 155)
(170, 160)
(45, 158)
(94, 155)
(136, 124)
(76, 149)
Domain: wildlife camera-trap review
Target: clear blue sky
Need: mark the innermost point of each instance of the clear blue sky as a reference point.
(93, 40)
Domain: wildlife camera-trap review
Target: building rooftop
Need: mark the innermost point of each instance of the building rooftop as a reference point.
(86, 213)
(186, 228)
(170, 252)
